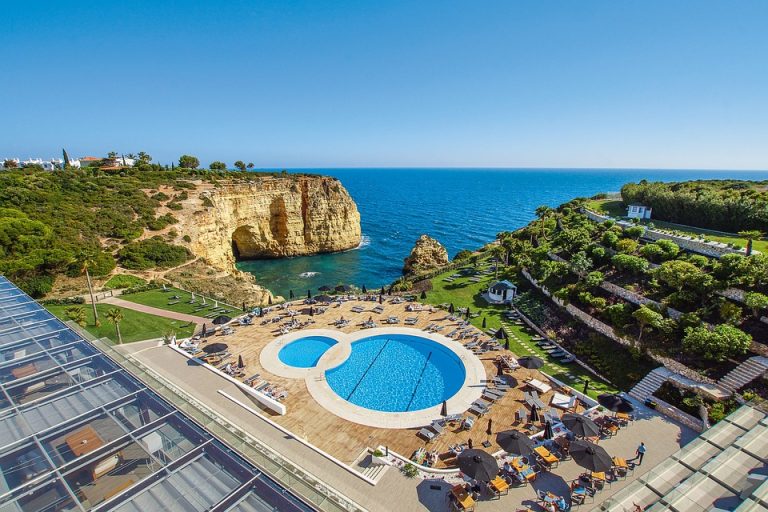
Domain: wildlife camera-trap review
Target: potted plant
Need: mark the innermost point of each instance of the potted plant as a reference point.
(378, 457)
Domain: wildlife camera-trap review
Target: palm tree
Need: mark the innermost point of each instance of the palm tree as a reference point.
(115, 315)
(76, 314)
(86, 261)
(498, 252)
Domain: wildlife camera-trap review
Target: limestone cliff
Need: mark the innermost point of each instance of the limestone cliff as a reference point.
(269, 217)
(427, 254)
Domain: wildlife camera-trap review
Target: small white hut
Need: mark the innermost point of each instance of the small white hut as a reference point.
(501, 292)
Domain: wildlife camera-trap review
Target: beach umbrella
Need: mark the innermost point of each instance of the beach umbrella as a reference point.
(530, 362)
(381, 299)
(244, 306)
(615, 403)
(534, 414)
(221, 320)
(290, 294)
(311, 311)
(451, 309)
(499, 369)
(506, 344)
(309, 294)
(548, 433)
(590, 456)
(423, 295)
(444, 409)
(204, 329)
(261, 312)
(514, 441)
(586, 386)
(478, 464)
(365, 290)
(469, 443)
(467, 314)
(215, 347)
(581, 426)
(389, 292)
(382, 291)
(500, 334)
(484, 323)
(269, 300)
(240, 362)
(324, 298)
(489, 429)
(324, 288)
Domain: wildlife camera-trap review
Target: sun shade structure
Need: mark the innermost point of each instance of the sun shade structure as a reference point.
(530, 362)
(590, 456)
(581, 426)
(221, 320)
(478, 464)
(215, 347)
(78, 431)
(514, 441)
(615, 403)
(324, 288)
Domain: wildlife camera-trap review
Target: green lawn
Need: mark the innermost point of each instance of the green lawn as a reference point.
(136, 326)
(464, 293)
(159, 299)
(610, 207)
(615, 209)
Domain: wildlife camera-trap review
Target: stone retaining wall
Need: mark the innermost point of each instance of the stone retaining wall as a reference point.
(678, 415)
(640, 300)
(712, 249)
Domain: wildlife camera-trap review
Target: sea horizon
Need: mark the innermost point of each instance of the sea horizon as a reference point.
(395, 212)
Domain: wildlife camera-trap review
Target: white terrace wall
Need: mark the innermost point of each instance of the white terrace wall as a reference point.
(712, 249)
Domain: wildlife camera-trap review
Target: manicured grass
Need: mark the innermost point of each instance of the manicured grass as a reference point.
(610, 207)
(136, 326)
(614, 208)
(464, 293)
(159, 299)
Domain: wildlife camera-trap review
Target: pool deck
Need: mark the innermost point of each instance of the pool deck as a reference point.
(345, 439)
(393, 491)
(318, 387)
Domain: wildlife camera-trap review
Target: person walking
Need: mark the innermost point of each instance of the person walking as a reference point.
(640, 453)
(489, 430)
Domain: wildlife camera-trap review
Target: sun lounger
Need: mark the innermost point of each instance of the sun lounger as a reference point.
(478, 409)
(495, 392)
(539, 386)
(562, 401)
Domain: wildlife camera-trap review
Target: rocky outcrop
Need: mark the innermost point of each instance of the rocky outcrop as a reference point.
(269, 217)
(427, 254)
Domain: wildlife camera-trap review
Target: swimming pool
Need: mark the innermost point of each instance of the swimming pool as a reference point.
(397, 373)
(305, 352)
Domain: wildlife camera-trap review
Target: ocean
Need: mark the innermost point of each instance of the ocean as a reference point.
(461, 208)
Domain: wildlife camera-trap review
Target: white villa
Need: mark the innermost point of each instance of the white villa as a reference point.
(639, 211)
(501, 292)
(48, 165)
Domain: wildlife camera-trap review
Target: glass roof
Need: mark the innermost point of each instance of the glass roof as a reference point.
(78, 431)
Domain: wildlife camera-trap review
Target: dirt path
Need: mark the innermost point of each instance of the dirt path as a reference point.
(184, 317)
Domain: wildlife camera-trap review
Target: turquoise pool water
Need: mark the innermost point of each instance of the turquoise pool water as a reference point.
(305, 352)
(397, 373)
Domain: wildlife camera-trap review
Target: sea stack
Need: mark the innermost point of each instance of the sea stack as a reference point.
(427, 254)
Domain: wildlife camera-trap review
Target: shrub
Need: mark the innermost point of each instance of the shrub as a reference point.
(610, 238)
(629, 263)
(123, 281)
(634, 231)
(160, 196)
(151, 253)
(718, 344)
(68, 301)
(35, 286)
(626, 245)
(187, 238)
(409, 470)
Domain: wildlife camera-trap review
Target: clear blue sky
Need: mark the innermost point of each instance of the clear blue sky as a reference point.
(511, 83)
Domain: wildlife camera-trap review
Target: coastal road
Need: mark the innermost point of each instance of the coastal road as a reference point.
(184, 317)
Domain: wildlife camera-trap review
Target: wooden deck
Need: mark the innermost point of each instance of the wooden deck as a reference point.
(346, 440)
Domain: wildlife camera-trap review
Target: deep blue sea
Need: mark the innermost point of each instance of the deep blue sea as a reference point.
(462, 208)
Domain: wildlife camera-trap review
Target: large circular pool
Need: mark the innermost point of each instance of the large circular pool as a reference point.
(397, 373)
(305, 352)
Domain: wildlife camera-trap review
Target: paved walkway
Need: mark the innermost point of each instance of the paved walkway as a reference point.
(395, 492)
(184, 317)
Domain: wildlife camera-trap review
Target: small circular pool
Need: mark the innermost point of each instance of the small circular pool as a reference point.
(397, 373)
(305, 352)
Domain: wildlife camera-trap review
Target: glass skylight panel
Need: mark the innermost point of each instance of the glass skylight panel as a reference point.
(26, 368)
(21, 465)
(38, 387)
(50, 496)
(12, 352)
(746, 417)
(142, 410)
(71, 442)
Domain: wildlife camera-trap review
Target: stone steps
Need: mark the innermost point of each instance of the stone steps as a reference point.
(374, 471)
(649, 384)
(744, 373)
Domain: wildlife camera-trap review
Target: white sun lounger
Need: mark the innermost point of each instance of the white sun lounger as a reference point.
(539, 386)
(562, 401)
